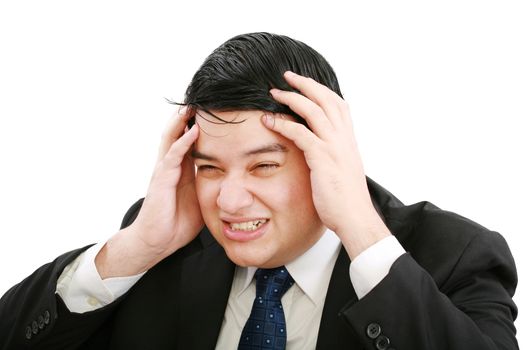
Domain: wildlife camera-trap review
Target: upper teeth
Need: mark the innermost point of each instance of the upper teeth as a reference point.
(248, 225)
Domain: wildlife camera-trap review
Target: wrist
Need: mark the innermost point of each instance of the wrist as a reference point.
(125, 255)
(358, 236)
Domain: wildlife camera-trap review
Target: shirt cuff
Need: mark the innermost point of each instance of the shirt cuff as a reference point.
(373, 264)
(81, 287)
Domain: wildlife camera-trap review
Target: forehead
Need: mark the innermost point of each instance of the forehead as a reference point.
(236, 133)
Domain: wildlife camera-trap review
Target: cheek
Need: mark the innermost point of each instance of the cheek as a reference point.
(299, 187)
(290, 201)
(275, 193)
(206, 196)
(298, 195)
(290, 191)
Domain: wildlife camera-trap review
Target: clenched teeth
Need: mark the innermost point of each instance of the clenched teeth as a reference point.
(247, 226)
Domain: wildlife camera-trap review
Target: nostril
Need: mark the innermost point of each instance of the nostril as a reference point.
(233, 198)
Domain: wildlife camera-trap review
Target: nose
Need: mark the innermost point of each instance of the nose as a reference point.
(234, 196)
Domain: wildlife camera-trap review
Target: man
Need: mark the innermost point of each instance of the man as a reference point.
(260, 230)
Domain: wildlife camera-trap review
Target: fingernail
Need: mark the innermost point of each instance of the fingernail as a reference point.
(183, 110)
(268, 120)
(275, 91)
(290, 73)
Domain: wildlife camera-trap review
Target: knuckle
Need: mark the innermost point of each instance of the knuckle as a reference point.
(327, 91)
(302, 129)
(173, 157)
(173, 150)
(311, 80)
(316, 111)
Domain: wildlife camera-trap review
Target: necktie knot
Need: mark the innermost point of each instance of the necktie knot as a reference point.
(271, 284)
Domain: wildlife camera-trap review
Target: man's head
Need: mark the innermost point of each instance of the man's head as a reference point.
(253, 185)
(239, 74)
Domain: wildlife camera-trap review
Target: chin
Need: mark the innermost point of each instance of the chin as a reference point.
(243, 256)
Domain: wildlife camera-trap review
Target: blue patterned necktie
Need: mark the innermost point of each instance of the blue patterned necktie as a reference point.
(266, 327)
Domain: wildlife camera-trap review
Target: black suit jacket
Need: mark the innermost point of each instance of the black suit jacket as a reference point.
(452, 290)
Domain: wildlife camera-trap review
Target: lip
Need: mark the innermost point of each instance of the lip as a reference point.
(243, 236)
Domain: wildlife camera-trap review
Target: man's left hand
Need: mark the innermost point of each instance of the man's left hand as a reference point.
(339, 190)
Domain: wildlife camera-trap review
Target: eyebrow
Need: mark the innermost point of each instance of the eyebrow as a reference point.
(270, 148)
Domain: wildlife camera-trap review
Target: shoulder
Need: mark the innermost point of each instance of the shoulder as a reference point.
(425, 223)
(443, 242)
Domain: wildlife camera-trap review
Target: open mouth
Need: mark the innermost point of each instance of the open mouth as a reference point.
(247, 225)
(245, 231)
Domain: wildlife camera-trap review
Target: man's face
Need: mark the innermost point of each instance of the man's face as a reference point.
(253, 187)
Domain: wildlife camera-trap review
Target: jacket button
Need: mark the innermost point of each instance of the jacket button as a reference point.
(47, 316)
(382, 343)
(29, 332)
(34, 327)
(41, 322)
(373, 330)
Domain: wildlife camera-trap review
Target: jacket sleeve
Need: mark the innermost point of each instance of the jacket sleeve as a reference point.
(472, 309)
(32, 316)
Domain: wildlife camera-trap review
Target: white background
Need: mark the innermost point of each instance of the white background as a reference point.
(436, 90)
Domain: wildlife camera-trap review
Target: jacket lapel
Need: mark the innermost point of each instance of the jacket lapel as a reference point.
(207, 277)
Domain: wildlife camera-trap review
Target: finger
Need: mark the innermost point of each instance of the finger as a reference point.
(179, 148)
(187, 169)
(173, 131)
(303, 138)
(310, 111)
(328, 100)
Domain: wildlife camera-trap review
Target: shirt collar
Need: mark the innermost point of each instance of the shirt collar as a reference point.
(311, 271)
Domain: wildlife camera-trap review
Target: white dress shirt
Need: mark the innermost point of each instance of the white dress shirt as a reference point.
(82, 289)
(302, 303)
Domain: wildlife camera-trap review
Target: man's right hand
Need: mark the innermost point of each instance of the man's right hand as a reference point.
(170, 215)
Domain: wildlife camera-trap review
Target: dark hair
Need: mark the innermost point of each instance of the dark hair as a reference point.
(239, 74)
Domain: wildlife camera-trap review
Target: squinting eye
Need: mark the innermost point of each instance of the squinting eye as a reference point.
(265, 168)
(207, 169)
